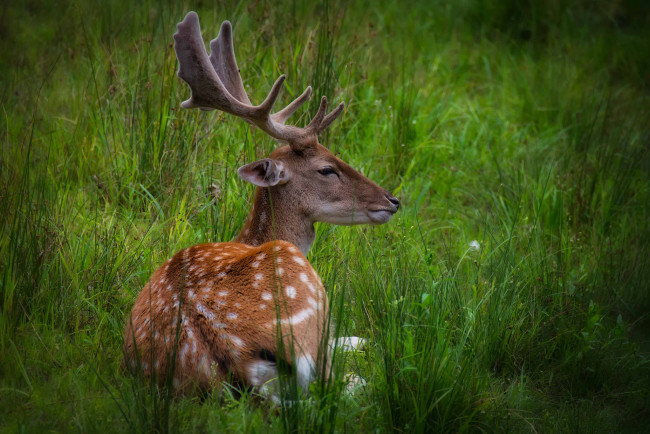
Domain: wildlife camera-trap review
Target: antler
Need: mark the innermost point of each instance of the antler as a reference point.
(216, 84)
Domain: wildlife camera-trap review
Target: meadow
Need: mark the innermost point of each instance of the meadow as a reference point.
(509, 293)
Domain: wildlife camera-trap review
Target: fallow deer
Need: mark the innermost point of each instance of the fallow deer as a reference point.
(235, 308)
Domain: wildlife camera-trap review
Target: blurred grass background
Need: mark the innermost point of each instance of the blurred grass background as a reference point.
(523, 125)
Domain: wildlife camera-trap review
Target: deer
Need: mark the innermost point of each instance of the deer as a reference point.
(235, 310)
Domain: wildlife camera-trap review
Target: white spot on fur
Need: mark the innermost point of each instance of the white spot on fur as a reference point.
(280, 271)
(222, 293)
(298, 260)
(297, 318)
(234, 339)
(312, 303)
(262, 306)
(259, 276)
(255, 264)
(221, 275)
(291, 291)
(204, 366)
(237, 304)
(183, 352)
(203, 310)
(218, 325)
(266, 296)
(232, 316)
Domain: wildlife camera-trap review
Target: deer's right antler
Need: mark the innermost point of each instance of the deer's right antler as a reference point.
(216, 84)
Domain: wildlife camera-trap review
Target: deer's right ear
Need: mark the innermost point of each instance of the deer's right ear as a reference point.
(264, 173)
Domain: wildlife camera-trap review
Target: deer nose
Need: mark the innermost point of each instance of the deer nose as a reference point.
(393, 200)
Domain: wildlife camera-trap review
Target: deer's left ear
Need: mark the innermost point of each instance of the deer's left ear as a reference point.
(264, 173)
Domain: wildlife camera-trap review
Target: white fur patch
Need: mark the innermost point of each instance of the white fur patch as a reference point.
(261, 371)
(348, 343)
(299, 260)
(305, 370)
(291, 291)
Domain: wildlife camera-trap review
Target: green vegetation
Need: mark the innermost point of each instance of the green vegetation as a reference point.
(523, 125)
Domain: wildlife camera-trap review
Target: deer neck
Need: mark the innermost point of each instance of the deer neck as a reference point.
(270, 218)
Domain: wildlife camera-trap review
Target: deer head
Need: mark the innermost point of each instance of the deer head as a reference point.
(300, 183)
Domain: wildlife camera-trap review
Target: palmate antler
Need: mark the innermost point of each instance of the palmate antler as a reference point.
(216, 84)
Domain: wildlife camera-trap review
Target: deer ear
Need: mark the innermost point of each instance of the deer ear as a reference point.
(264, 173)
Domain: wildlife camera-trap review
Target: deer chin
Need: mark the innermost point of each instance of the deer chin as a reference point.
(344, 219)
(380, 216)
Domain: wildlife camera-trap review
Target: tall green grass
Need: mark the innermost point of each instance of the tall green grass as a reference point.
(523, 126)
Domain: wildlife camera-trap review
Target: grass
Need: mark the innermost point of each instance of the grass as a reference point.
(521, 125)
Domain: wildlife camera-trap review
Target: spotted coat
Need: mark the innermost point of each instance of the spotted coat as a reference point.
(218, 308)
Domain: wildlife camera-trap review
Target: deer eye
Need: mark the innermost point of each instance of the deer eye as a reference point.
(327, 171)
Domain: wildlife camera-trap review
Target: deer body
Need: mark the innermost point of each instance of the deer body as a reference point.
(235, 308)
(233, 299)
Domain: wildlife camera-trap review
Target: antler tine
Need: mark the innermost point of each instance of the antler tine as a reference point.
(216, 84)
(285, 113)
(331, 116)
(320, 122)
(221, 48)
(267, 105)
(314, 125)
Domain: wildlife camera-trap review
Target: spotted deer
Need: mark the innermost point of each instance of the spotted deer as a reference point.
(236, 308)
